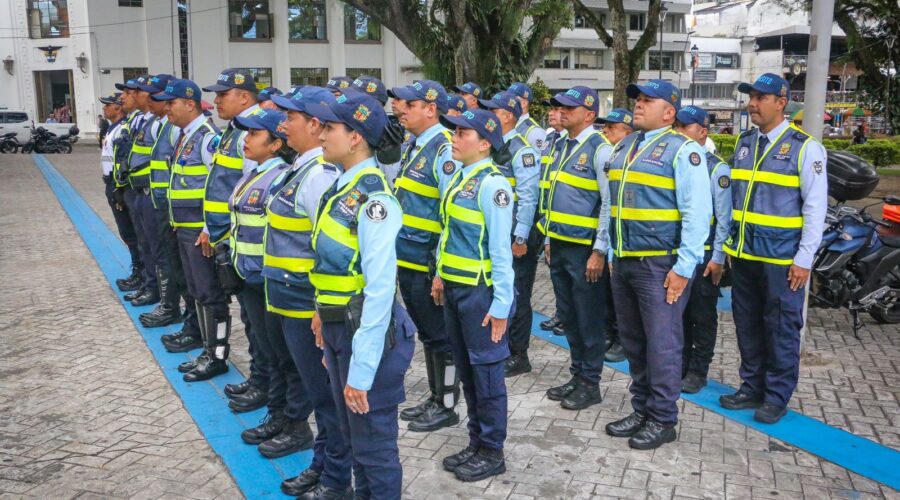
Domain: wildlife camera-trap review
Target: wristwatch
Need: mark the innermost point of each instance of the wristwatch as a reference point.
(520, 240)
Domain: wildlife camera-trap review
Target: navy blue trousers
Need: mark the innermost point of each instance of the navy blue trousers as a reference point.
(415, 288)
(373, 435)
(701, 321)
(331, 453)
(768, 317)
(480, 362)
(581, 306)
(525, 268)
(169, 243)
(651, 334)
(139, 213)
(200, 273)
(124, 224)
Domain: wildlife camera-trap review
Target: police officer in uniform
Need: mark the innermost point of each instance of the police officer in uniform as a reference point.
(112, 111)
(470, 92)
(366, 334)
(236, 95)
(615, 127)
(526, 126)
(427, 168)
(476, 282)
(575, 223)
(660, 218)
(388, 157)
(522, 171)
(290, 297)
(780, 198)
(192, 159)
(554, 133)
(455, 104)
(701, 317)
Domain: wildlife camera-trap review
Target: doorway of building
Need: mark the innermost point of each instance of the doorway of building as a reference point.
(54, 95)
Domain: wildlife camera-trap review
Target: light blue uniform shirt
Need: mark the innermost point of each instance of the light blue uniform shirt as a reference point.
(498, 224)
(814, 192)
(378, 258)
(721, 198)
(317, 181)
(443, 178)
(527, 185)
(536, 137)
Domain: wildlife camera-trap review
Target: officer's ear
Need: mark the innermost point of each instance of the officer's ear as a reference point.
(669, 113)
(781, 102)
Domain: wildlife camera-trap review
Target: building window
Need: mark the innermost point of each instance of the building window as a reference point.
(585, 22)
(359, 27)
(132, 73)
(355, 73)
(48, 18)
(588, 59)
(637, 22)
(131, 3)
(306, 20)
(674, 23)
(556, 59)
(671, 61)
(309, 76)
(183, 38)
(263, 77)
(249, 20)
(711, 91)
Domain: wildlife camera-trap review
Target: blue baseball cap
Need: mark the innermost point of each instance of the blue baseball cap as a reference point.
(469, 88)
(268, 93)
(522, 90)
(454, 101)
(692, 114)
(178, 89)
(233, 78)
(422, 90)
(578, 96)
(262, 119)
(617, 115)
(303, 98)
(114, 98)
(361, 112)
(657, 89)
(372, 86)
(156, 83)
(134, 83)
(503, 100)
(479, 120)
(767, 83)
(338, 83)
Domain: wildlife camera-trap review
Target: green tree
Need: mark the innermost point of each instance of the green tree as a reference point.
(492, 42)
(626, 62)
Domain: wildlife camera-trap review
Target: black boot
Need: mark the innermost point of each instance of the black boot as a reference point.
(692, 383)
(549, 324)
(517, 364)
(132, 282)
(652, 435)
(322, 492)
(268, 428)
(183, 343)
(146, 298)
(486, 463)
(188, 366)
(295, 436)
(236, 389)
(614, 353)
(586, 394)
(452, 462)
(628, 426)
(169, 310)
(440, 414)
(215, 336)
(413, 412)
(305, 481)
(135, 294)
(561, 392)
(254, 397)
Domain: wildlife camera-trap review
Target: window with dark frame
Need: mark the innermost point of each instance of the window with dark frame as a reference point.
(130, 73)
(262, 76)
(309, 76)
(249, 20)
(131, 3)
(355, 73)
(48, 18)
(588, 59)
(556, 59)
(307, 20)
(671, 61)
(183, 39)
(359, 27)
(637, 22)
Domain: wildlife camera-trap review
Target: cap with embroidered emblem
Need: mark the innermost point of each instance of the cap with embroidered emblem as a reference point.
(339, 83)
(479, 120)
(522, 90)
(114, 98)
(372, 86)
(361, 112)
(767, 83)
(578, 96)
(455, 101)
(505, 100)
(657, 89)
(268, 93)
(303, 98)
(469, 88)
(618, 115)
(422, 90)
(178, 89)
(262, 119)
(156, 83)
(692, 114)
(233, 78)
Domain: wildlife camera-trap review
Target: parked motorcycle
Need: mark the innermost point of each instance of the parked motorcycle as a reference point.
(8, 143)
(857, 265)
(44, 141)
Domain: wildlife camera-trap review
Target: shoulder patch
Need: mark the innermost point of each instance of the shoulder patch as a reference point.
(818, 166)
(528, 160)
(376, 211)
(214, 143)
(501, 198)
(449, 167)
(370, 180)
(540, 143)
(724, 182)
(694, 158)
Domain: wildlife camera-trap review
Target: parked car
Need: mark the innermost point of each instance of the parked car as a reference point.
(21, 123)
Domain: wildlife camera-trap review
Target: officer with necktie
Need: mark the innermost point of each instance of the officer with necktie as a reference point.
(779, 192)
(526, 126)
(659, 221)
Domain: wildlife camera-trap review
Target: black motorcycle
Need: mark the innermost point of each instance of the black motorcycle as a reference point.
(857, 265)
(43, 141)
(8, 143)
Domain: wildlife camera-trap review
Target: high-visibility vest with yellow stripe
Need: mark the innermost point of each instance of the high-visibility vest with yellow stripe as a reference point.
(337, 272)
(288, 254)
(713, 163)
(122, 148)
(188, 178)
(516, 143)
(160, 156)
(465, 256)
(248, 219)
(139, 158)
(767, 219)
(523, 128)
(226, 171)
(418, 192)
(645, 220)
(572, 199)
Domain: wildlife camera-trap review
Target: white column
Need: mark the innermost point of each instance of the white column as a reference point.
(389, 68)
(335, 25)
(281, 67)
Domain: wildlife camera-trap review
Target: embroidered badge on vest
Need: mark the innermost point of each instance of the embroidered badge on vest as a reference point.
(528, 160)
(420, 164)
(784, 151)
(743, 152)
(468, 190)
(376, 211)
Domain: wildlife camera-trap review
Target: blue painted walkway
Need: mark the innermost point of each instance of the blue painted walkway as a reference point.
(259, 477)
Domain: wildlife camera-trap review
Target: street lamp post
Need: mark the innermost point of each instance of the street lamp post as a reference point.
(695, 60)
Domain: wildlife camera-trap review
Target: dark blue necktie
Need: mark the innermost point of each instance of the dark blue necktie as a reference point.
(636, 146)
(571, 144)
(761, 145)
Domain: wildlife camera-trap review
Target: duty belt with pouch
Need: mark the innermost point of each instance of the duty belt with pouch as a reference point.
(351, 316)
(228, 276)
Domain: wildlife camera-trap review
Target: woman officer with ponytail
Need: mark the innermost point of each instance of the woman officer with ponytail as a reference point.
(367, 336)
